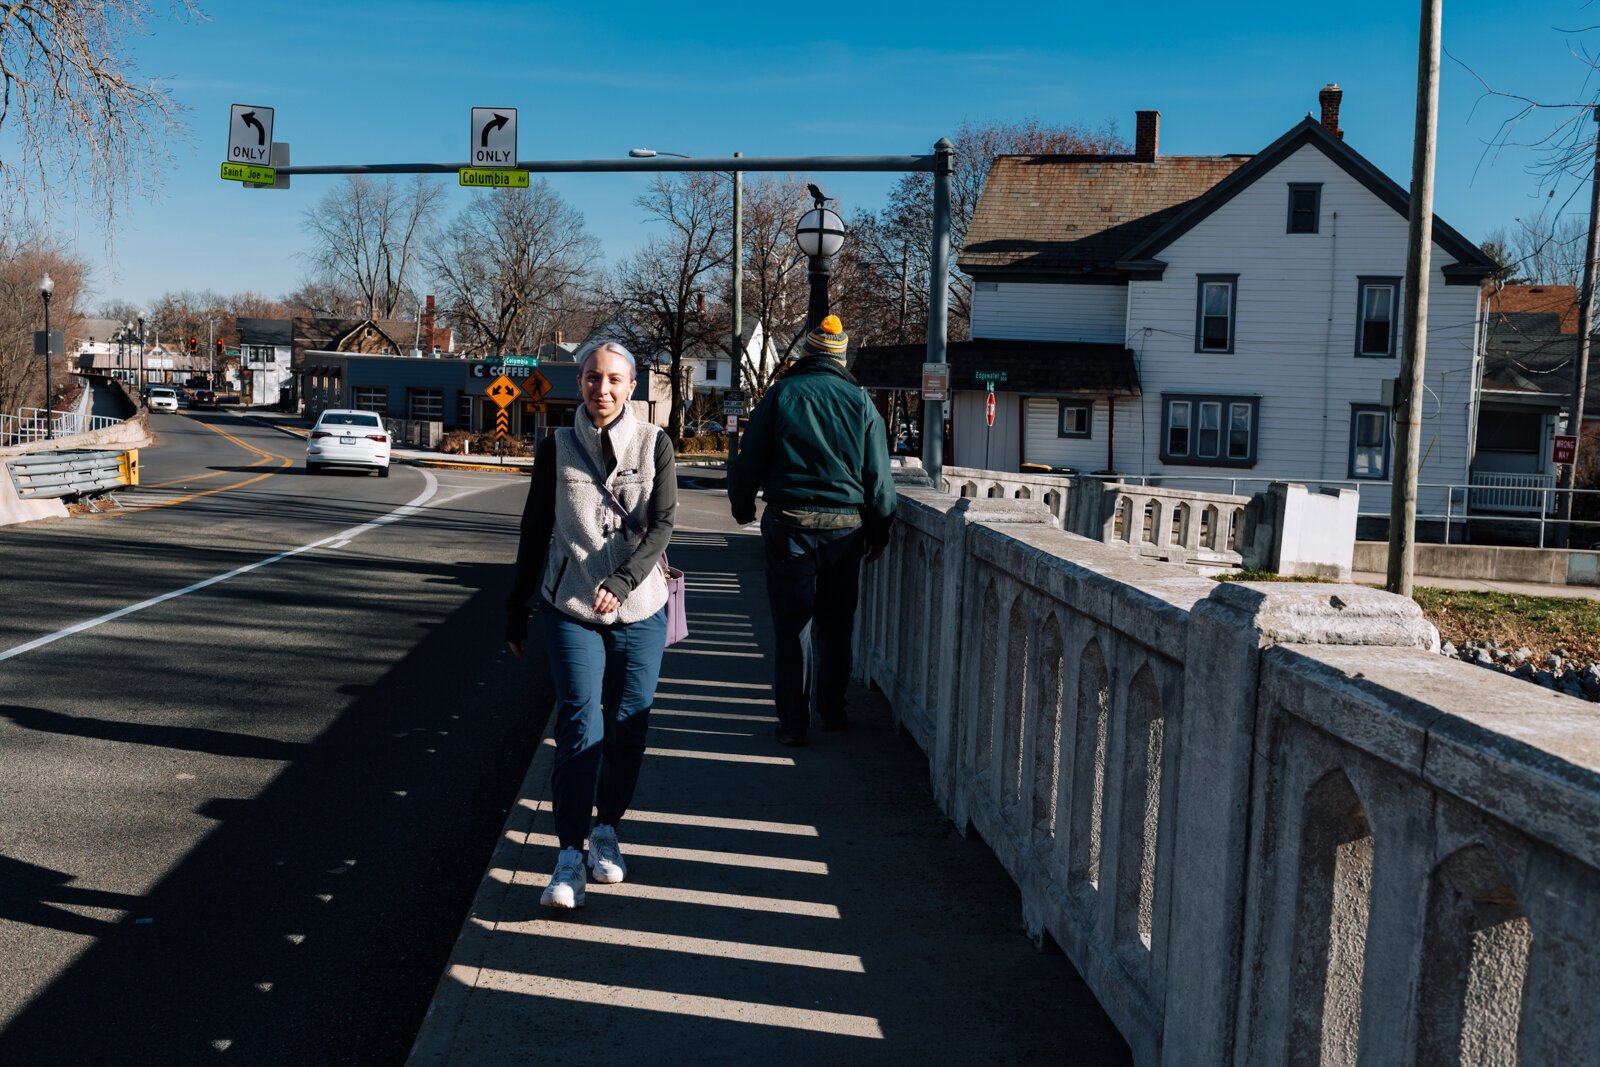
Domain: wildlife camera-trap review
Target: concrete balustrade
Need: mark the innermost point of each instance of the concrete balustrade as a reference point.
(1268, 823)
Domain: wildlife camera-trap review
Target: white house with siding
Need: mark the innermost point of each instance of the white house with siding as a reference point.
(1232, 317)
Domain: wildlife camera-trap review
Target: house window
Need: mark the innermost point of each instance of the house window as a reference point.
(1369, 441)
(260, 354)
(1210, 430)
(1215, 305)
(370, 398)
(711, 370)
(1511, 431)
(425, 403)
(1305, 208)
(1375, 325)
(1074, 418)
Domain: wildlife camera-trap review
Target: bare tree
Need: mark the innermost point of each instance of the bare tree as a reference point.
(1546, 249)
(658, 295)
(887, 293)
(23, 262)
(775, 280)
(322, 298)
(368, 232)
(81, 122)
(511, 266)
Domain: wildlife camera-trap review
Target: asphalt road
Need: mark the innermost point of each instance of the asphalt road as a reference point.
(242, 821)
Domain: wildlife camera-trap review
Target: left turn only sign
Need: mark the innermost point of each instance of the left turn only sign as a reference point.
(250, 135)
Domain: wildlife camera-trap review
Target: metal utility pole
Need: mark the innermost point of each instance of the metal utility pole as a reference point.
(738, 304)
(938, 307)
(1580, 376)
(1414, 323)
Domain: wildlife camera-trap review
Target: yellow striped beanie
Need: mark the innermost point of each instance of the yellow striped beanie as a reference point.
(828, 339)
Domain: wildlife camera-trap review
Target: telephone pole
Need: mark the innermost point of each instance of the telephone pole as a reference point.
(1414, 324)
(1580, 376)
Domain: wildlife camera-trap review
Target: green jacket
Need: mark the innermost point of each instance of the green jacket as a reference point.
(816, 443)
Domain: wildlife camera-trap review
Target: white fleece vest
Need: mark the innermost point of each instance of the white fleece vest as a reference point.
(590, 540)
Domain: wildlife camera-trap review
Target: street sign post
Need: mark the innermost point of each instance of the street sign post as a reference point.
(1565, 448)
(519, 361)
(503, 392)
(990, 376)
(49, 344)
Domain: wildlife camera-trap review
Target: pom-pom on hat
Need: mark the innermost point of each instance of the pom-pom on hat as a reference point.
(828, 339)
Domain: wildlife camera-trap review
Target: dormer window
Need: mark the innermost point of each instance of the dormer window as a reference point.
(1305, 208)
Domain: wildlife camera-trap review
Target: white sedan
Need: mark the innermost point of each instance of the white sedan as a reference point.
(160, 399)
(344, 438)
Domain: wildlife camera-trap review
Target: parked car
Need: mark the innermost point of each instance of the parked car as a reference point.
(710, 426)
(343, 438)
(203, 399)
(162, 398)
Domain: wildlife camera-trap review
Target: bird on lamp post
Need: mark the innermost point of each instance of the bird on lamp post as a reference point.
(820, 234)
(47, 288)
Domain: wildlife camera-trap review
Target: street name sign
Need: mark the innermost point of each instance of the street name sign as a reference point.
(245, 172)
(482, 178)
(250, 136)
(936, 381)
(494, 137)
(519, 361)
(989, 375)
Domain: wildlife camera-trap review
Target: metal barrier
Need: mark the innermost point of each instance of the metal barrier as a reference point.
(65, 475)
(36, 424)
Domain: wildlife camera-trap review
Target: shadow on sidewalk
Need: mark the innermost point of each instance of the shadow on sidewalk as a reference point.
(787, 905)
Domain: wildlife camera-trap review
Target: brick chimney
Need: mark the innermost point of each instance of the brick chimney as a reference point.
(1147, 131)
(1329, 99)
(427, 325)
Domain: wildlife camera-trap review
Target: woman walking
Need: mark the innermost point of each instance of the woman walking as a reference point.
(598, 517)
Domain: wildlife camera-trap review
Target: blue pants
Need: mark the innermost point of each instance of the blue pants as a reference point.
(811, 589)
(605, 682)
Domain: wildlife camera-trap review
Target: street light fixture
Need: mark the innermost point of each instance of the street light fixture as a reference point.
(737, 350)
(820, 234)
(47, 288)
(142, 371)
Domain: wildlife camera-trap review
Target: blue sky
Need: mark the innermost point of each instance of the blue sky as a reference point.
(395, 82)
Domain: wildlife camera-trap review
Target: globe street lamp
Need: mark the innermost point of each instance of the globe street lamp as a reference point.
(47, 288)
(738, 280)
(142, 371)
(820, 234)
(128, 336)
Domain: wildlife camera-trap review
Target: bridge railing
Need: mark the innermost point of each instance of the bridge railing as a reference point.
(1268, 823)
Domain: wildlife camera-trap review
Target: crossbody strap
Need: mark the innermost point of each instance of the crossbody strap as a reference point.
(632, 523)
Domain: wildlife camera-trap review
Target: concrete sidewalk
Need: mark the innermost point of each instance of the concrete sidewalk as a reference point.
(1587, 592)
(782, 905)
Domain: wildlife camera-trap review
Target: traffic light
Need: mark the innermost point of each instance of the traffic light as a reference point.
(219, 348)
(194, 346)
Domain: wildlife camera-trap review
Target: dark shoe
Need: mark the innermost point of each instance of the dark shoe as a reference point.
(792, 738)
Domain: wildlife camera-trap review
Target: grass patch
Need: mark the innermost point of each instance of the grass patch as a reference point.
(1264, 576)
(1543, 624)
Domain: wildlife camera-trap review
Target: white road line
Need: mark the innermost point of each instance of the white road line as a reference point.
(403, 511)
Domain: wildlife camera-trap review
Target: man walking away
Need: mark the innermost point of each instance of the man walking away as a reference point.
(817, 448)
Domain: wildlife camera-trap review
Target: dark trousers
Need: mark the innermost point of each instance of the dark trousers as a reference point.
(811, 588)
(605, 682)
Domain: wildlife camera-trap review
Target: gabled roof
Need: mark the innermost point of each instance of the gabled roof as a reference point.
(1471, 265)
(1080, 214)
(1107, 218)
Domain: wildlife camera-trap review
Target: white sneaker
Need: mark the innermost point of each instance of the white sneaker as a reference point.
(605, 858)
(566, 885)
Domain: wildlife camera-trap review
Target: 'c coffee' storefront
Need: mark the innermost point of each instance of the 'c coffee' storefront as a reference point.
(450, 391)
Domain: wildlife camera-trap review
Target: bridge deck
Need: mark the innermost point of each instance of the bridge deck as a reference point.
(793, 905)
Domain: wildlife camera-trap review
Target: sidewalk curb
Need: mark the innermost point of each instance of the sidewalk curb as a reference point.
(441, 1023)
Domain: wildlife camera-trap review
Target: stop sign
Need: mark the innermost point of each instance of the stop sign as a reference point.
(988, 409)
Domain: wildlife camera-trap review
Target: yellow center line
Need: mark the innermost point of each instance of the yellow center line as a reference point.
(266, 457)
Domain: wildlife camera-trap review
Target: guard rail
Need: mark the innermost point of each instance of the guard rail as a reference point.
(66, 475)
